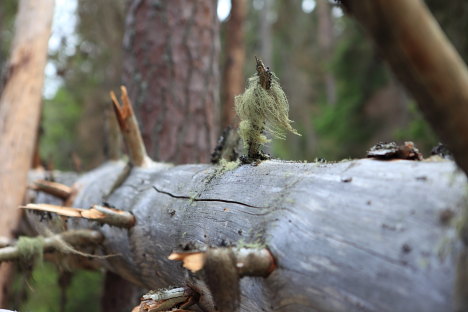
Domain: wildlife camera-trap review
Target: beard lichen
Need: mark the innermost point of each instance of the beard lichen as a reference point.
(262, 107)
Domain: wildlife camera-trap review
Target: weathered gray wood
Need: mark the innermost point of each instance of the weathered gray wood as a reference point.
(359, 235)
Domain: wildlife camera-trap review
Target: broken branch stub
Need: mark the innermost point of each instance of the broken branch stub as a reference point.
(249, 261)
(101, 214)
(130, 130)
(59, 190)
(222, 268)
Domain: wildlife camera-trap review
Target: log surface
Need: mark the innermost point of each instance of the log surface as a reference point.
(359, 235)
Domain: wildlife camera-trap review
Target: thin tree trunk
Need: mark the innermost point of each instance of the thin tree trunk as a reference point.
(171, 71)
(424, 61)
(326, 41)
(233, 81)
(266, 52)
(20, 107)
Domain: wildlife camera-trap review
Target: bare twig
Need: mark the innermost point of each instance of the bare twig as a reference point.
(53, 188)
(74, 238)
(106, 215)
(130, 130)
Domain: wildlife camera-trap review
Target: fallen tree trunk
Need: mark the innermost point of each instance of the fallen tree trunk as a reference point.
(358, 235)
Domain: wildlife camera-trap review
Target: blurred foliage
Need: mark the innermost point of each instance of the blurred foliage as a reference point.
(88, 67)
(343, 127)
(418, 130)
(7, 19)
(43, 292)
(59, 119)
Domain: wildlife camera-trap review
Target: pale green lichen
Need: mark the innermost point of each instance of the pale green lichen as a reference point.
(262, 110)
(225, 166)
(30, 249)
(254, 245)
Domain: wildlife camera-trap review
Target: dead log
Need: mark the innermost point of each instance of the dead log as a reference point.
(358, 235)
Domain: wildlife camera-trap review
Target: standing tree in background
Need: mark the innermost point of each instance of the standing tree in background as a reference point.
(326, 38)
(171, 51)
(299, 70)
(20, 108)
(233, 80)
(265, 33)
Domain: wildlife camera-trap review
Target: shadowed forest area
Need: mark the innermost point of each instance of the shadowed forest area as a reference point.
(343, 97)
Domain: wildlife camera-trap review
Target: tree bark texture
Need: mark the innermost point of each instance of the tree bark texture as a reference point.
(171, 70)
(424, 61)
(233, 80)
(359, 235)
(20, 108)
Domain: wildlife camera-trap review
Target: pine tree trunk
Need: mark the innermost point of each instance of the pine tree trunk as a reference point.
(326, 37)
(171, 70)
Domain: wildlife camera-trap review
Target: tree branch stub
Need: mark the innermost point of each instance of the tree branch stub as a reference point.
(130, 130)
(59, 190)
(102, 214)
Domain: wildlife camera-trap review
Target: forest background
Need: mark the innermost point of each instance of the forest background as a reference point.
(342, 96)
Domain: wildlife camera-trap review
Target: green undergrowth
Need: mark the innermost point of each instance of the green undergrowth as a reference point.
(42, 293)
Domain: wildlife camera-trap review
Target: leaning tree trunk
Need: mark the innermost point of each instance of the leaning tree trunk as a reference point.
(359, 235)
(20, 108)
(171, 69)
(427, 65)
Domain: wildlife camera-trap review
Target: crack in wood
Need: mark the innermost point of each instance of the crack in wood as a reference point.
(207, 199)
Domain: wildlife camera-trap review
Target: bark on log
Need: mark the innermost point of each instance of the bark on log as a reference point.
(20, 108)
(359, 235)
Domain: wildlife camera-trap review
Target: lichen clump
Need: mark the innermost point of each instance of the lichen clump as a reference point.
(262, 107)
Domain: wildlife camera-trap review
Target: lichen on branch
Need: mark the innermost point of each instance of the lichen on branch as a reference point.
(262, 107)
